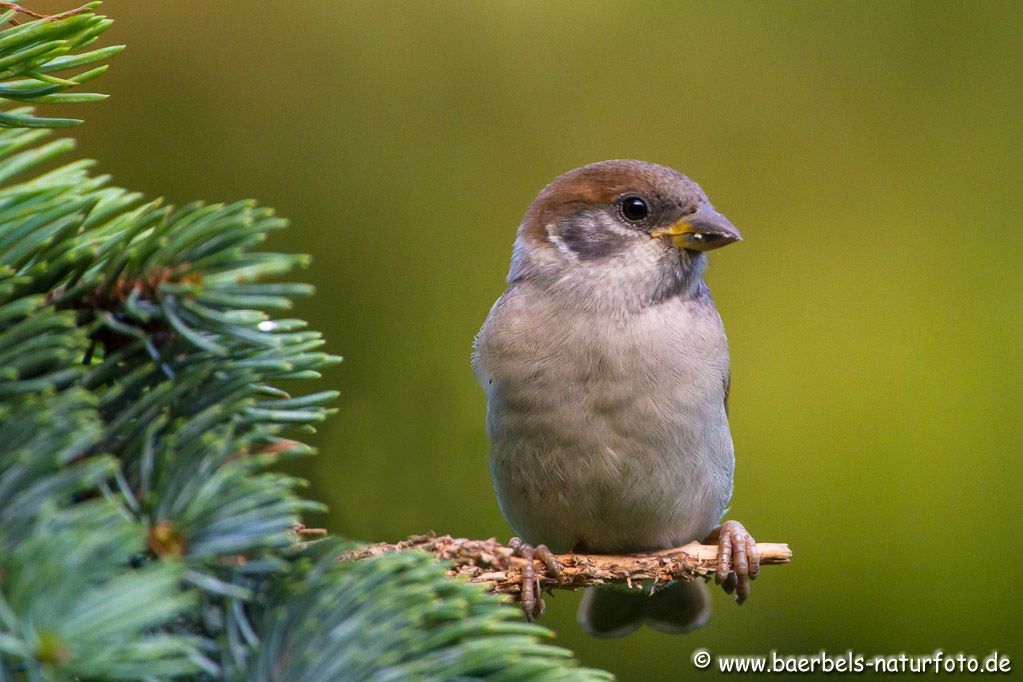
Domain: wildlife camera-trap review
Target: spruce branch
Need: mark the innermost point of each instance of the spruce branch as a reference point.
(143, 532)
(71, 606)
(31, 53)
(499, 569)
(397, 617)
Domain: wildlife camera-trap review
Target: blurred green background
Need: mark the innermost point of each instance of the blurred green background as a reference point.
(870, 153)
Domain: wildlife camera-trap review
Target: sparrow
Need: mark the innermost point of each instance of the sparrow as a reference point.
(605, 365)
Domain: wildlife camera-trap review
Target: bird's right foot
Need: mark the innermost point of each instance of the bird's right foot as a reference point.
(738, 558)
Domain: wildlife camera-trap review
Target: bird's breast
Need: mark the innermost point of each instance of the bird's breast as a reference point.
(608, 435)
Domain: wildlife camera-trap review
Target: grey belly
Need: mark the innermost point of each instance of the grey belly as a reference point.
(610, 469)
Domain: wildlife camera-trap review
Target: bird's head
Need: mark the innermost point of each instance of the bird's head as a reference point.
(628, 224)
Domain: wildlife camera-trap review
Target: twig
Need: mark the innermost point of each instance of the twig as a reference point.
(49, 17)
(494, 565)
(302, 529)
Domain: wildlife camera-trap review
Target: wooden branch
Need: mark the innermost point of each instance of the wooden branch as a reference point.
(496, 566)
(49, 17)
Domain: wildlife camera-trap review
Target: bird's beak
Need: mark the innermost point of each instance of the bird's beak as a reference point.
(704, 230)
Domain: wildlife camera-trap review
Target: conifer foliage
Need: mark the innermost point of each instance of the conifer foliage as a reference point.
(149, 381)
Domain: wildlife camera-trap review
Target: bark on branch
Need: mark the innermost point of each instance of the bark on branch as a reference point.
(496, 566)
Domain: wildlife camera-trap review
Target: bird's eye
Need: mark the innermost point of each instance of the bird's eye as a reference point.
(635, 208)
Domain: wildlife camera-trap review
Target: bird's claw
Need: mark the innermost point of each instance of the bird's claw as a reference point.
(738, 559)
(531, 595)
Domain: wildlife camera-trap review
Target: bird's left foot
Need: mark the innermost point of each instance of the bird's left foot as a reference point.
(738, 558)
(531, 595)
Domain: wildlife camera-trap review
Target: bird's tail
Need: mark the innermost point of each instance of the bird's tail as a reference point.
(615, 612)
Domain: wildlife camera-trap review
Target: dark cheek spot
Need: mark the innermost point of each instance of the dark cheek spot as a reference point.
(588, 238)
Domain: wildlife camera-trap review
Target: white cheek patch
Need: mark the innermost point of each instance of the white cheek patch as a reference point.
(615, 227)
(554, 238)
